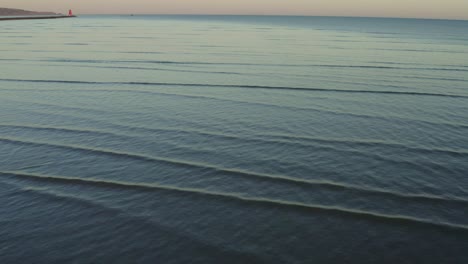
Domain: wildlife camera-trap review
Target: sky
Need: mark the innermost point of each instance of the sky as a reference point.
(446, 9)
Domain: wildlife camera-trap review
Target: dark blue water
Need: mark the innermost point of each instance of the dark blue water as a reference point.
(232, 139)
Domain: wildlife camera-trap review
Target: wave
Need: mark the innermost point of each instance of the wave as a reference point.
(161, 69)
(141, 221)
(424, 51)
(436, 78)
(367, 143)
(260, 64)
(320, 110)
(274, 138)
(62, 129)
(245, 64)
(240, 86)
(76, 44)
(139, 91)
(13, 36)
(249, 175)
(238, 198)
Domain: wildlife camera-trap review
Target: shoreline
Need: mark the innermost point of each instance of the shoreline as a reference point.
(32, 17)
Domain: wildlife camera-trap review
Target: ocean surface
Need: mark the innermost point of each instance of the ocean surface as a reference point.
(233, 139)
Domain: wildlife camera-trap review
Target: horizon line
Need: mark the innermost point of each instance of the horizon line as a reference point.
(284, 15)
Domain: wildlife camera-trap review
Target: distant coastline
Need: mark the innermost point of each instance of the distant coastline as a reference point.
(35, 17)
(20, 14)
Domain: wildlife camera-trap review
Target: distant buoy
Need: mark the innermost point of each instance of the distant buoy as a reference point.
(70, 13)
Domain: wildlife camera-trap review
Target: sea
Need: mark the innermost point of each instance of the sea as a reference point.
(233, 139)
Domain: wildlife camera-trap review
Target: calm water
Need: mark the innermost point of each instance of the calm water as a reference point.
(195, 139)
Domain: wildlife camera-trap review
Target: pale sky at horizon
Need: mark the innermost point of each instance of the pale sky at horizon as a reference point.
(450, 9)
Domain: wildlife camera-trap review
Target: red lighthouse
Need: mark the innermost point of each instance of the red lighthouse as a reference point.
(70, 13)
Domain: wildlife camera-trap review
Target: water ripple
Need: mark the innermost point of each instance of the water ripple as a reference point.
(242, 86)
(248, 174)
(395, 219)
